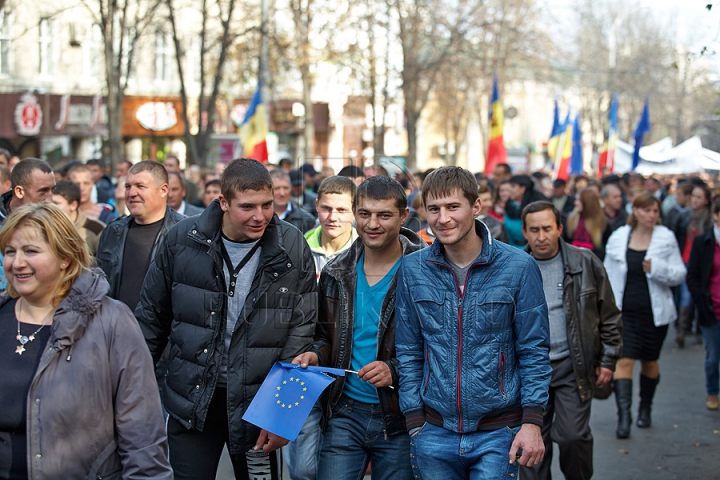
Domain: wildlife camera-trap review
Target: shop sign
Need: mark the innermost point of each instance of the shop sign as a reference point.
(157, 116)
(28, 115)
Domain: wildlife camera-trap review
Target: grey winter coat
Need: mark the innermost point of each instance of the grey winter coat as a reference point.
(93, 409)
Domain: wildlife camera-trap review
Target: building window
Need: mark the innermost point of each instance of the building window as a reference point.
(162, 55)
(46, 66)
(5, 42)
(93, 55)
(192, 59)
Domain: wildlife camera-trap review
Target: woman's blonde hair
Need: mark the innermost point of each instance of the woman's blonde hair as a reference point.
(61, 235)
(595, 221)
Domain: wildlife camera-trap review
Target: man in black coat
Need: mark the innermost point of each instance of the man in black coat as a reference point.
(233, 290)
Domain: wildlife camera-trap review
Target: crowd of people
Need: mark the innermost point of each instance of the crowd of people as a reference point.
(478, 316)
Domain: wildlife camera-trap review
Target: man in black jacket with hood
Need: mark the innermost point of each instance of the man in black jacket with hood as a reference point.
(233, 290)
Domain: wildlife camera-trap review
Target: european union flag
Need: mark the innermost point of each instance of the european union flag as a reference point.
(286, 397)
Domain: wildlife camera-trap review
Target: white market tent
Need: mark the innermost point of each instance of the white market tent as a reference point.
(663, 159)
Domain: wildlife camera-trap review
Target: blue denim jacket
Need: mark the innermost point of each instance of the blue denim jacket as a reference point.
(478, 360)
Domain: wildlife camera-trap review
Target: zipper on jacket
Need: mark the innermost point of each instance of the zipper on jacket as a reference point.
(427, 361)
(501, 374)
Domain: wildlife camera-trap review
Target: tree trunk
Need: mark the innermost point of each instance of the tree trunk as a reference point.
(412, 121)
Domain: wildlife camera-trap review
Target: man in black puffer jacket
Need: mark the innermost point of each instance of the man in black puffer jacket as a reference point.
(234, 291)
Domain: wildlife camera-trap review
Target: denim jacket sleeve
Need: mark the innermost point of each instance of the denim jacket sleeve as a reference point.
(532, 344)
(409, 348)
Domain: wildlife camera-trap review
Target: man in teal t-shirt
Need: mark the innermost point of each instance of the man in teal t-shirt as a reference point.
(361, 417)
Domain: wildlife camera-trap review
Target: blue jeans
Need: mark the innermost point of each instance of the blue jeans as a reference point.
(356, 435)
(711, 335)
(439, 454)
(301, 456)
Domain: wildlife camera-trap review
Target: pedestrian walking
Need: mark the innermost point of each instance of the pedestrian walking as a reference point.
(79, 393)
(643, 261)
(585, 340)
(703, 280)
(232, 290)
(472, 343)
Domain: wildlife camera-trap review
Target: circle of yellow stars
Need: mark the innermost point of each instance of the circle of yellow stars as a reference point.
(292, 381)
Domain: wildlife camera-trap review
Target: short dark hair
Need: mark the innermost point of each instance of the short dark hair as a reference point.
(68, 190)
(686, 188)
(484, 189)
(285, 161)
(441, 183)
(96, 161)
(504, 166)
(541, 206)
(338, 185)
(78, 167)
(5, 153)
(280, 175)
(4, 173)
(351, 171)
(21, 175)
(381, 187)
(244, 174)
(155, 169)
(212, 182)
(179, 177)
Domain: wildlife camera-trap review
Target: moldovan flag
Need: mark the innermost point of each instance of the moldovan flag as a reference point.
(254, 129)
(496, 153)
(642, 128)
(607, 156)
(286, 397)
(554, 141)
(565, 150)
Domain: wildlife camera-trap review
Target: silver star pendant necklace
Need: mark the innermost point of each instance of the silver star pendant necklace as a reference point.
(24, 339)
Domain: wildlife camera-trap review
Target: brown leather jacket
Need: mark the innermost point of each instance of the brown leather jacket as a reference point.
(93, 408)
(594, 323)
(334, 333)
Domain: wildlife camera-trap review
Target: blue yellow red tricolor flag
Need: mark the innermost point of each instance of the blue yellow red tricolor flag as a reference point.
(554, 140)
(496, 153)
(607, 154)
(254, 129)
(284, 400)
(565, 150)
(642, 128)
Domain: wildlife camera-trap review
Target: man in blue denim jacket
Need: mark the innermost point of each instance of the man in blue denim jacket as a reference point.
(472, 341)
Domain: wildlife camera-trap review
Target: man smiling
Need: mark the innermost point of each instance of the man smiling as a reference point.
(233, 291)
(472, 343)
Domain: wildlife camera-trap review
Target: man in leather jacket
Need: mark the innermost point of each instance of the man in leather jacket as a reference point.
(585, 340)
(362, 419)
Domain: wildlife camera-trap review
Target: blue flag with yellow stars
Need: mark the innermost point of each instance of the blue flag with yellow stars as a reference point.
(286, 397)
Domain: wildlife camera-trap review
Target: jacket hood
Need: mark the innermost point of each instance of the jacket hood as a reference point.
(346, 261)
(76, 310)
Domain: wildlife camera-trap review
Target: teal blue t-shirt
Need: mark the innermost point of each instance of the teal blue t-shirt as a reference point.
(368, 304)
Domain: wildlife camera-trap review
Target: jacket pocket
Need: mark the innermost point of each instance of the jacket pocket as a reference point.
(431, 308)
(494, 312)
(502, 367)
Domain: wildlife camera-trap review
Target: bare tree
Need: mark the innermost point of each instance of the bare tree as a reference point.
(215, 39)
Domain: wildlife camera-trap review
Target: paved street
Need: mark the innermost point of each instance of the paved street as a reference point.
(682, 444)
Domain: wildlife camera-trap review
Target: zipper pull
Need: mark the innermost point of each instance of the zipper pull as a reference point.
(460, 301)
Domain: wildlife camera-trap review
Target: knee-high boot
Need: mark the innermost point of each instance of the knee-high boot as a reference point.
(647, 392)
(623, 398)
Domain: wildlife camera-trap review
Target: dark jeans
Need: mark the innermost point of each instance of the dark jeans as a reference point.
(195, 455)
(567, 423)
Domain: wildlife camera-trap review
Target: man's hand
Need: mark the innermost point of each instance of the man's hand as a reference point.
(269, 442)
(305, 359)
(529, 440)
(377, 373)
(604, 375)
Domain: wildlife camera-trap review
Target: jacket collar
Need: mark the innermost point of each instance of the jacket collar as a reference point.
(571, 263)
(437, 251)
(207, 227)
(77, 309)
(345, 262)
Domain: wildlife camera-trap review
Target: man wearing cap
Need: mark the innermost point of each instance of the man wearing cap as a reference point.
(310, 176)
(354, 173)
(301, 196)
(560, 199)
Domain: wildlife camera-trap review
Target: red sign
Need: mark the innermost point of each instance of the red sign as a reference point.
(28, 115)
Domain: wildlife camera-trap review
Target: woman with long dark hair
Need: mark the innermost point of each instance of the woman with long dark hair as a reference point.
(587, 226)
(643, 262)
